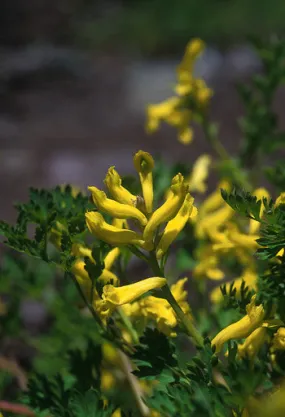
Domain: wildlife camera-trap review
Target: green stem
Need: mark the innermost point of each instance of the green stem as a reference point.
(167, 294)
(183, 318)
(138, 253)
(211, 135)
(127, 322)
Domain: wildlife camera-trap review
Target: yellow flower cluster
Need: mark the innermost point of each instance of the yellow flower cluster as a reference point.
(192, 98)
(136, 211)
(242, 328)
(175, 211)
(157, 310)
(216, 227)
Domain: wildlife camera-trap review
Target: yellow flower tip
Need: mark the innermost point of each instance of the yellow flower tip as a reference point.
(174, 226)
(111, 257)
(111, 234)
(169, 208)
(279, 339)
(178, 185)
(143, 162)
(144, 165)
(128, 293)
(112, 178)
(194, 213)
(185, 135)
(107, 380)
(113, 182)
(199, 174)
(94, 220)
(115, 208)
(178, 291)
(195, 47)
(280, 200)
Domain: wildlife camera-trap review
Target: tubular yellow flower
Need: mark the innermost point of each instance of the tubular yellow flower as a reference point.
(112, 234)
(114, 208)
(161, 312)
(206, 225)
(144, 165)
(114, 296)
(279, 339)
(174, 226)
(215, 200)
(253, 343)
(158, 112)
(113, 182)
(185, 70)
(169, 208)
(280, 199)
(111, 257)
(172, 112)
(199, 174)
(242, 328)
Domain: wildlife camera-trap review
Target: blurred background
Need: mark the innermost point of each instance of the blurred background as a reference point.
(76, 76)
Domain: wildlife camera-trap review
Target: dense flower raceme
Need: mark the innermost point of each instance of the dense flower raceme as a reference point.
(191, 99)
(126, 210)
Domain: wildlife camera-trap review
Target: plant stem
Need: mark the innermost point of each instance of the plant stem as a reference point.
(167, 294)
(142, 409)
(138, 253)
(127, 322)
(211, 136)
(16, 408)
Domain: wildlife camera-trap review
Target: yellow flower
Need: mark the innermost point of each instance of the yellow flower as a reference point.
(144, 165)
(242, 328)
(253, 343)
(172, 112)
(208, 266)
(207, 225)
(214, 201)
(114, 208)
(185, 69)
(199, 174)
(169, 208)
(159, 310)
(280, 199)
(174, 226)
(108, 380)
(111, 257)
(117, 413)
(113, 182)
(279, 339)
(112, 234)
(117, 296)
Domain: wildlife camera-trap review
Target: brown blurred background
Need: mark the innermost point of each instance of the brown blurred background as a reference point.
(76, 75)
